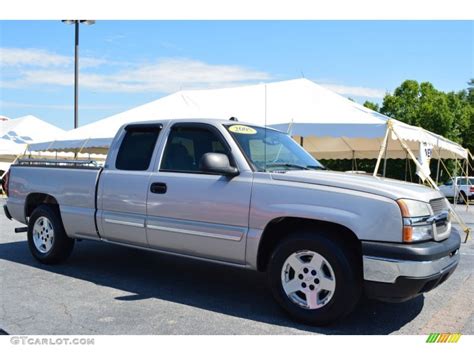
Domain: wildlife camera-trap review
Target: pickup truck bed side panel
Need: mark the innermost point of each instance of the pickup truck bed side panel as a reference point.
(73, 189)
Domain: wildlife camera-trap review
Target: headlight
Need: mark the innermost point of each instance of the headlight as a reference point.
(416, 226)
(413, 208)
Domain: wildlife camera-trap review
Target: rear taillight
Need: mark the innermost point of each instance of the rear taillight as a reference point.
(5, 182)
(471, 189)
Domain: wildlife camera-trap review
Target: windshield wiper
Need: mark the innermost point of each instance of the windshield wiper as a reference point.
(288, 165)
(314, 167)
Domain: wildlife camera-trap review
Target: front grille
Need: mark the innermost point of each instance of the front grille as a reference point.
(439, 205)
(442, 227)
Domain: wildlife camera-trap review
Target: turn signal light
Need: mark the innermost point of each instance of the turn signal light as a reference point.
(403, 208)
(407, 234)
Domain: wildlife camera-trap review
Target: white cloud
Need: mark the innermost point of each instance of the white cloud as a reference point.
(24, 68)
(31, 57)
(164, 76)
(169, 75)
(356, 91)
(39, 58)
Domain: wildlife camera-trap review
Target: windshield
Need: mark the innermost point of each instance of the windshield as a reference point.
(270, 150)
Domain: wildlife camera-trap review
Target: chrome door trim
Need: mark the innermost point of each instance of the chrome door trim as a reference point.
(125, 223)
(194, 232)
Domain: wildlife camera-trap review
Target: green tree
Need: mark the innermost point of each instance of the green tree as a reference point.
(372, 105)
(450, 114)
(422, 105)
(404, 103)
(470, 89)
(465, 113)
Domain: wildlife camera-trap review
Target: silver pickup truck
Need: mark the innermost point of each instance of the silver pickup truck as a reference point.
(249, 197)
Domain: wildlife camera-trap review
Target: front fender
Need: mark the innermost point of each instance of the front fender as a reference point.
(369, 216)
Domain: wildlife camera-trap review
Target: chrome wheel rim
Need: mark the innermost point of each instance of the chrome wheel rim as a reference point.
(43, 235)
(308, 279)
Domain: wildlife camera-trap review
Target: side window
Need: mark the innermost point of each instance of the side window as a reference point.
(136, 149)
(187, 144)
(449, 182)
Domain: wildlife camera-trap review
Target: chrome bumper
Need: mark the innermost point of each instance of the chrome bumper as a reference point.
(386, 262)
(388, 270)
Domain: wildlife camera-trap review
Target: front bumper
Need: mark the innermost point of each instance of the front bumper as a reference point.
(398, 272)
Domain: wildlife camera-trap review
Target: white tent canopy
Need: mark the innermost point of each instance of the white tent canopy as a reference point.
(16, 134)
(332, 125)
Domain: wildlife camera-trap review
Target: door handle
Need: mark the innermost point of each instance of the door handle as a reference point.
(158, 188)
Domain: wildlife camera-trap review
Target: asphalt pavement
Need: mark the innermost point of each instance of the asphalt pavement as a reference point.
(108, 289)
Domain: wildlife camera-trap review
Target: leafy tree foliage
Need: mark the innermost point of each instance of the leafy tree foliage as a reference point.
(450, 114)
(372, 105)
(447, 114)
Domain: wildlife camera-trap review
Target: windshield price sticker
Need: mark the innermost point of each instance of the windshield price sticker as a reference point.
(242, 129)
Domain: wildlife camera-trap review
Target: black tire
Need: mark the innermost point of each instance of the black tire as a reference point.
(61, 246)
(462, 198)
(345, 264)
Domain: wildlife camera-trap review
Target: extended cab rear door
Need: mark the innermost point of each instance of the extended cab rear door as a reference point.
(123, 186)
(192, 212)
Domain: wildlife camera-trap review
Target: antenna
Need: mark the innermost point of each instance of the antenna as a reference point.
(290, 127)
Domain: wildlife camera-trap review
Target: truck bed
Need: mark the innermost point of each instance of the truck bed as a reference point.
(73, 186)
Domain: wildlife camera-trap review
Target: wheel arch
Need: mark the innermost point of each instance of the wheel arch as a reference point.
(279, 228)
(36, 199)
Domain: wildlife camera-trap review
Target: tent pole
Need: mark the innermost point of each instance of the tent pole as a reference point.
(385, 159)
(382, 148)
(434, 185)
(467, 179)
(469, 156)
(455, 185)
(409, 170)
(406, 166)
(437, 169)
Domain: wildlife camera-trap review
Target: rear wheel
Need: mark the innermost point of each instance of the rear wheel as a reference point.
(47, 238)
(462, 198)
(315, 279)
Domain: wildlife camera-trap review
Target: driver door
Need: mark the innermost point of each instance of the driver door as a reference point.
(192, 212)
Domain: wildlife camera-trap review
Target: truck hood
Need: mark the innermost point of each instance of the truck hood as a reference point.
(390, 188)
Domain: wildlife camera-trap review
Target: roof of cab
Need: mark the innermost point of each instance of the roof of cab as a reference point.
(197, 120)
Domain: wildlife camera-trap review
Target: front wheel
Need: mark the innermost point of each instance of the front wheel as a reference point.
(315, 279)
(47, 238)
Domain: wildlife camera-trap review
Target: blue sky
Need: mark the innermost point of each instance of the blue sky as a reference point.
(128, 63)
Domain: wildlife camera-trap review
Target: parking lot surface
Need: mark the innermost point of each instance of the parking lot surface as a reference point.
(108, 289)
